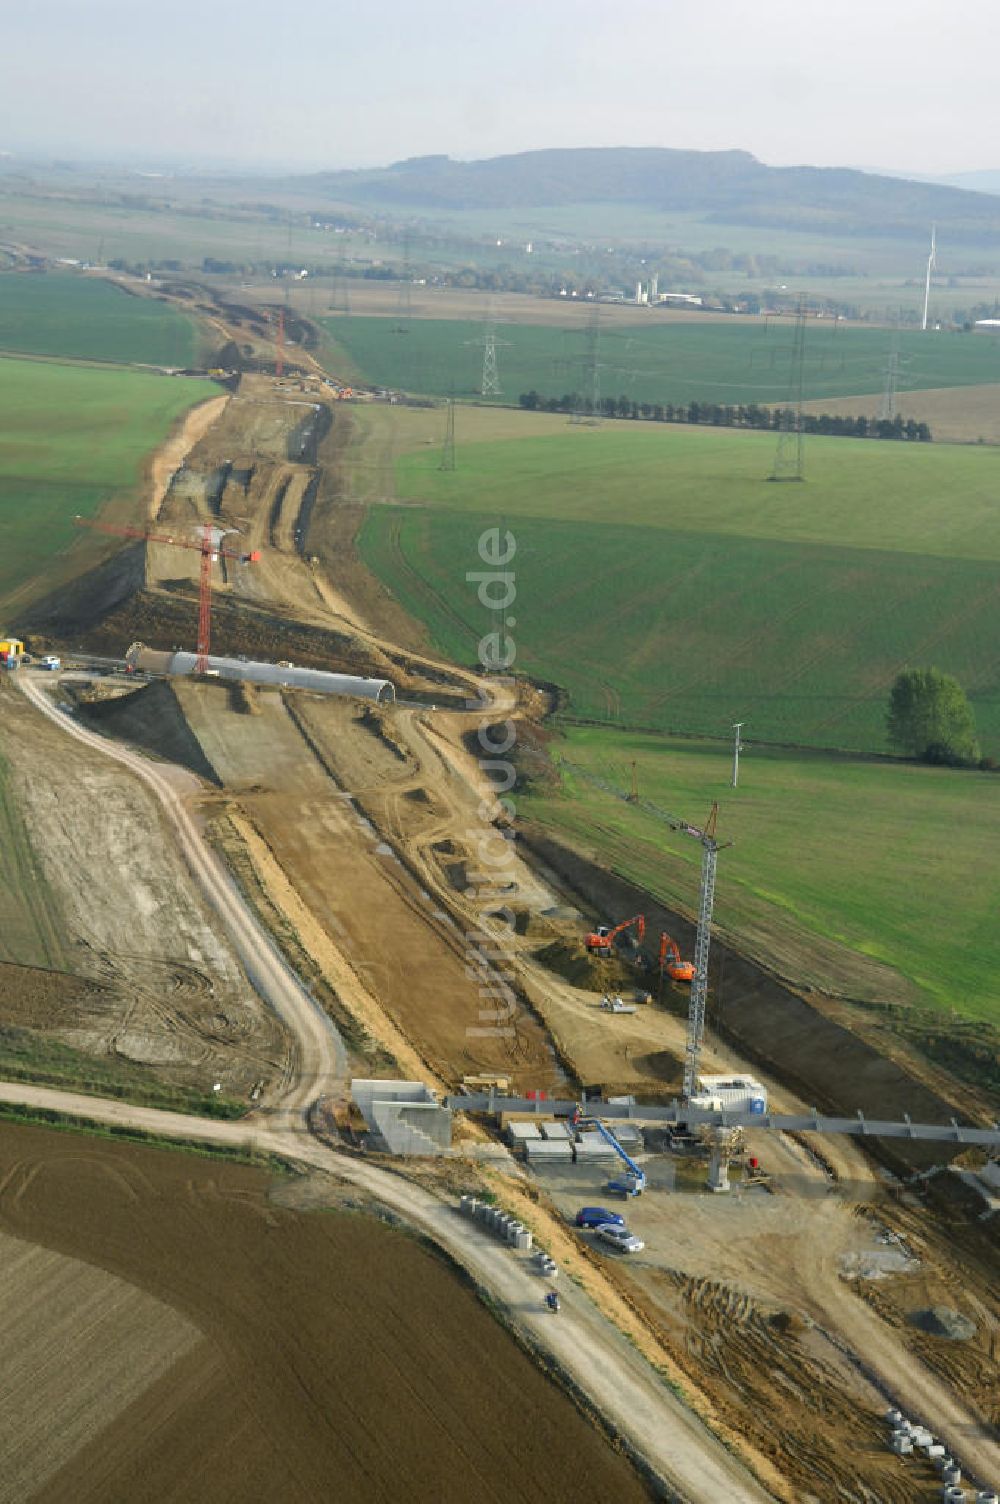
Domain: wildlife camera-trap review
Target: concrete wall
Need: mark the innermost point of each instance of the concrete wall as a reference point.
(404, 1114)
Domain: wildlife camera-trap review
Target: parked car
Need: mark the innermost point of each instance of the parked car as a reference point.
(598, 1216)
(619, 1237)
(50, 661)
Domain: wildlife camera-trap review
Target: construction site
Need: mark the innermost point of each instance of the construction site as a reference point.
(514, 1028)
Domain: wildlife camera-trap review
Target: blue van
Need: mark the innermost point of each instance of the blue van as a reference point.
(597, 1216)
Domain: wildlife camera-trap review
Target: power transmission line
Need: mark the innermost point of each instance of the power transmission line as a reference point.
(404, 303)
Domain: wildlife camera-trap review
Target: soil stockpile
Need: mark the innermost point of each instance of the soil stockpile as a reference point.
(339, 1360)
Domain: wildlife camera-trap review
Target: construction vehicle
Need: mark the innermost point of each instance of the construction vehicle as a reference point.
(754, 1172)
(671, 963)
(499, 1084)
(632, 1182)
(601, 942)
(710, 848)
(11, 652)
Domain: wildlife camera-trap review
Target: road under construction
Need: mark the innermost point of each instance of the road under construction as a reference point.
(331, 840)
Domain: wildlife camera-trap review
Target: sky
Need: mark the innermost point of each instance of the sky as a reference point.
(908, 86)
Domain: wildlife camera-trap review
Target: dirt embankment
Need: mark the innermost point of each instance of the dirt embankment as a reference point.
(151, 718)
(823, 1061)
(74, 611)
(171, 455)
(408, 1389)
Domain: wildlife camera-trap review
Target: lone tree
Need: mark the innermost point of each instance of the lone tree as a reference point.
(930, 718)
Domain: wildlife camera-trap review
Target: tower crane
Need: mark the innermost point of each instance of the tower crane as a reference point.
(209, 545)
(710, 848)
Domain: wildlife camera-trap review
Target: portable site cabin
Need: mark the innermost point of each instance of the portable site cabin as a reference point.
(11, 651)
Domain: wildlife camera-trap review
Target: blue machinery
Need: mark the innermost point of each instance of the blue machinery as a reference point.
(633, 1181)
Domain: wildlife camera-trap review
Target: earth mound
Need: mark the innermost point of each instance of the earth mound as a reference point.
(152, 718)
(569, 959)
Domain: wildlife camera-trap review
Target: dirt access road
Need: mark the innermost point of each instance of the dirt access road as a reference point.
(618, 1381)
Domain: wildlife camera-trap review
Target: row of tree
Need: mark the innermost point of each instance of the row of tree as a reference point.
(743, 415)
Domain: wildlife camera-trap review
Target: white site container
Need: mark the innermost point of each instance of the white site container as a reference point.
(731, 1094)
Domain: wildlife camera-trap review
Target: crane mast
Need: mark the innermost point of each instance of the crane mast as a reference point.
(699, 984)
(710, 847)
(208, 544)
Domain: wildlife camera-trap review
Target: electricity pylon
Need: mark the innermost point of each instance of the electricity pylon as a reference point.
(887, 407)
(789, 456)
(591, 384)
(448, 447)
(491, 376)
(490, 385)
(404, 303)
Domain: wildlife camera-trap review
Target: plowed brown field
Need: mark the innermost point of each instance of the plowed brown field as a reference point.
(339, 1359)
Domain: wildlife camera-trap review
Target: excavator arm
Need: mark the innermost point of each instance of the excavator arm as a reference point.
(603, 938)
(670, 960)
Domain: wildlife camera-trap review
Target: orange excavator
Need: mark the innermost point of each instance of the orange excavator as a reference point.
(601, 942)
(671, 963)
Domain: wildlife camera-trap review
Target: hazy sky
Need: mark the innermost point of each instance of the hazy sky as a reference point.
(314, 83)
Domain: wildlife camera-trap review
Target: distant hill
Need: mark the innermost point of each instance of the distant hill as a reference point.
(984, 181)
(725, 187)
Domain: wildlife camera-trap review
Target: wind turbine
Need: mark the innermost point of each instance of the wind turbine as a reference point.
(931, 263)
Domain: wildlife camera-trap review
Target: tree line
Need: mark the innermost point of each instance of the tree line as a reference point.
(725, 415)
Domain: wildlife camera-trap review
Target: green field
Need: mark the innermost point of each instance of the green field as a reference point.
(668, 362)
(87, 319)
(891, 863)
(664, 583)
(72, 438)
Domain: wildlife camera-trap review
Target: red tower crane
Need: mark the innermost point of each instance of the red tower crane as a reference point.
(209, 545)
